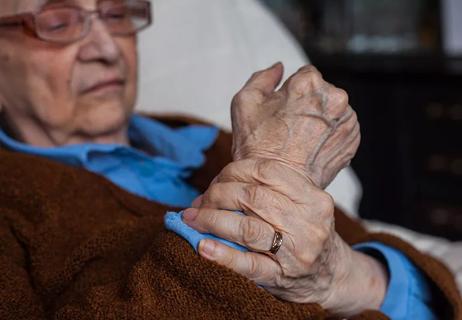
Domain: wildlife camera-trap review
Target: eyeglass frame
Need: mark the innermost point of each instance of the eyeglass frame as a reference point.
(28, 20)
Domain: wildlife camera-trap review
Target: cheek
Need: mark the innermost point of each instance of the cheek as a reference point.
(57, 78)
(12, 71)
(5, 69)
(31, 83)
(128, 47)
(49, 84)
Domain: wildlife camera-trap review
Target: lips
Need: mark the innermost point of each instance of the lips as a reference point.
(104, 84)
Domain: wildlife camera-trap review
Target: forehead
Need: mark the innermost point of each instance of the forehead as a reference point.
(17, 6)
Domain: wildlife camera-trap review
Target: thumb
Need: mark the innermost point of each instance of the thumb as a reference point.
(266, 80)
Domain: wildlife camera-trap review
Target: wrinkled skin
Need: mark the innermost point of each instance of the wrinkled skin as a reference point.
(288, 145)
(44, 96)
(307, 124)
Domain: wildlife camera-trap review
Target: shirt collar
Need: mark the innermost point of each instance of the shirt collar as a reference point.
(181, 147)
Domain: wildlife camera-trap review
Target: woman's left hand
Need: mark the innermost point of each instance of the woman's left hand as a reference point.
(313, 265)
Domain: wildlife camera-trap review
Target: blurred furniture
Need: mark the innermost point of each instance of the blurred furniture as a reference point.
(390, 57)
(410, 159)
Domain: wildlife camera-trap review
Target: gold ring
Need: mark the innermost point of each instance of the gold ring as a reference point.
(277, 242)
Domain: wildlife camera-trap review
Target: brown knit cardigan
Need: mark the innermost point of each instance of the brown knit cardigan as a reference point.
(75, 246)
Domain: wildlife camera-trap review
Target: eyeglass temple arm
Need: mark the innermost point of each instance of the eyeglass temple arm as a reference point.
(15, 20)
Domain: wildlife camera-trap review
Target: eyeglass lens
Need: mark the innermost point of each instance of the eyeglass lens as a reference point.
(65, 24)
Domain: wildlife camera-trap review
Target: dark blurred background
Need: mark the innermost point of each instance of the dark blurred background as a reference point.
(401, 64)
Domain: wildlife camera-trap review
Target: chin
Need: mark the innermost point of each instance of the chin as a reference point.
(106, 122)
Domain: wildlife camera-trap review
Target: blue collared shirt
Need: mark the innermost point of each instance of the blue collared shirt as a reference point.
(159, 173)
(408, 295)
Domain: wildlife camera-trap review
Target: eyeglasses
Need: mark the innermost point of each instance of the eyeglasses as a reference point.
(65, 24)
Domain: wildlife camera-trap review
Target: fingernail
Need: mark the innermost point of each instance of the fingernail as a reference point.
(207, 248)
(190, 214)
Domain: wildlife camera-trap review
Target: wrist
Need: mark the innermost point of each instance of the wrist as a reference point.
(291, 165)
(360, 284)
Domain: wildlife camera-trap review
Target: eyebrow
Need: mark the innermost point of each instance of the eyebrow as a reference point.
(42, 3)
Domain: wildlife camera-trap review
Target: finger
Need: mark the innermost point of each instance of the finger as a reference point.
(306, 80)
(297, 253)
(254, 266)
(254, 200)
(337, 103)
(266, 80)
(340, 133)
(347, 150)
(345, 136)
(273, 174)
(340, 157)
(197, 202)
(250, 232)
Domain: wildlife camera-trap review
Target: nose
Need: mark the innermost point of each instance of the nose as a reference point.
(99, 45)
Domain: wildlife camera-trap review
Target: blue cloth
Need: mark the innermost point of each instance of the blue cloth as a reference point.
(174, 222)
(408, 295)
(159, 172)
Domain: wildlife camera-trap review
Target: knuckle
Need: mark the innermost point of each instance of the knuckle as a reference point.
(326, 213)
(283, 281)
(306, 79)
(239, 99)
(299, 83)
(338, 104)
(227, 172)
(298, 268)
(255, 269)
(265, 169)
(322, 236)
(354, 123)
(253, 194)
(235, 169)
(310, 68)
(307, 260)
(323, 210)
(341, 96)
(354, 117)
(210, 219)
(348, 127)
(246, 97)
(253, 232)
(326, 205)
(213, 194)
(228, 260)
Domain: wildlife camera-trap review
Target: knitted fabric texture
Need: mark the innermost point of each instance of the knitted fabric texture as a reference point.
(75, 246)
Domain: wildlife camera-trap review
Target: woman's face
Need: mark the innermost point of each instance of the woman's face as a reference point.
(63, 94)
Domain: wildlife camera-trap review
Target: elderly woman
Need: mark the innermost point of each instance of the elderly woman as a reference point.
(85, 185)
